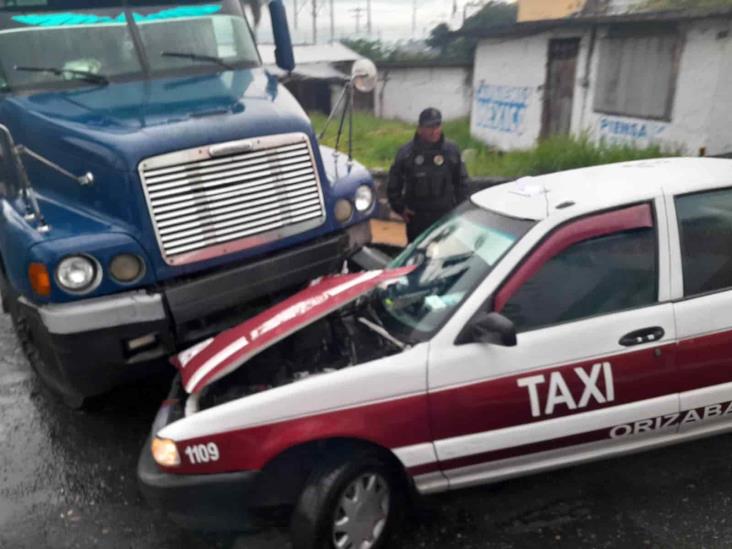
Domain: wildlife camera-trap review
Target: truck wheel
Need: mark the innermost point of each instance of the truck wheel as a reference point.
(349, 504)
(42, 369)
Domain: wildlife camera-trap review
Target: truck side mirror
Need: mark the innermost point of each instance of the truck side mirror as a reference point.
(284, 54)
(493, 328)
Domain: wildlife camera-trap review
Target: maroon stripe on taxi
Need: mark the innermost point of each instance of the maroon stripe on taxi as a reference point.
(514, 451)
(502, 403)
(526, 449)
(704, 361)
(390, 424)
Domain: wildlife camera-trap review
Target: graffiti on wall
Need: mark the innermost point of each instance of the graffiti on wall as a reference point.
(502, 108)
(636, 133)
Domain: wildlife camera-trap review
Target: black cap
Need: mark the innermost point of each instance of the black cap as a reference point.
(430, 118)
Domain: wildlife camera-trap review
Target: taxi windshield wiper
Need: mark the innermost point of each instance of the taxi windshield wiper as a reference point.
(79, 75)
(197, 57)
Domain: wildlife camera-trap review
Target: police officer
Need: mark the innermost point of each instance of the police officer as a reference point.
(428, 177)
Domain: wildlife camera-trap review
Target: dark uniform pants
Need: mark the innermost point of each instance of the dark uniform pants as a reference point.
(420, 223)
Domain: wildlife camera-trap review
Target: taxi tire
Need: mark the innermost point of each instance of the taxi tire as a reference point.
(312, 519)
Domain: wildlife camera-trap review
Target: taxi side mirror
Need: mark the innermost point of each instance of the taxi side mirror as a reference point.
(492, 328)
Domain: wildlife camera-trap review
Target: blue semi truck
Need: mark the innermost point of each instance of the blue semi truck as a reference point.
(156, 182)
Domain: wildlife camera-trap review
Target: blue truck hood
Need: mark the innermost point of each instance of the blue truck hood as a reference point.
(118, 125)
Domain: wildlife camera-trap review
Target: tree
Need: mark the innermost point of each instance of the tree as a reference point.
(462, 48)
(371, 49)
(684, 4)
(440, 38)
(493, 14)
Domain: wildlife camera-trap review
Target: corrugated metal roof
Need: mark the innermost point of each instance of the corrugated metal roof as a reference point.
(533, 27)
(425, 64)
(312, 53)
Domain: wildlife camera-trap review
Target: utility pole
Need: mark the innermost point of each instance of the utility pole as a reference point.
(315, 21)
(368, 17)
(414, 19)
(332, 22)
(357, 14)
(294, 13)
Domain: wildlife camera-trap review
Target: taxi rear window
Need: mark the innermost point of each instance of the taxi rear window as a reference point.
(705, 230)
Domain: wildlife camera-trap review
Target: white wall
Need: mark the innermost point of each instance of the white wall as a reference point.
(720, 119)
(508, 84)
(507, 112)
(403, 93)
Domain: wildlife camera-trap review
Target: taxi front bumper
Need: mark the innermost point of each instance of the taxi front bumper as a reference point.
(218, 502)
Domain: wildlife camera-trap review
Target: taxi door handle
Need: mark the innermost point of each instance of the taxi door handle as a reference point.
(639, 337)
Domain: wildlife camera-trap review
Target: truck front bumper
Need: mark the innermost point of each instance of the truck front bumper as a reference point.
(90, 346)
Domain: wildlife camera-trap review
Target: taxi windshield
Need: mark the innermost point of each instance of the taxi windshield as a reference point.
(450, 259)
(42, 47)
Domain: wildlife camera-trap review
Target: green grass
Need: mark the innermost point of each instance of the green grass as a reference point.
(376, 142)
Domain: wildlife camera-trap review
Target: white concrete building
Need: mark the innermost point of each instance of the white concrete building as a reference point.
(640, 78)
(405, 89)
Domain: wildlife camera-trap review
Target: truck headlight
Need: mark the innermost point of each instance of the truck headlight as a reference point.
(77, 273)
(165, 452)
(126, 268)
(364, 198)
(343, 210)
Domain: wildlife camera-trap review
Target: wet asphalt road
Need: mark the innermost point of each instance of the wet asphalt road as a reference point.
(67, 479)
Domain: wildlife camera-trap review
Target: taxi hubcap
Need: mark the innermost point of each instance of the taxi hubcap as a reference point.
(361, 514)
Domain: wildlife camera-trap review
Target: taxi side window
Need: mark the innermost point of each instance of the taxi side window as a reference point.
(593, 277)
(705, 230)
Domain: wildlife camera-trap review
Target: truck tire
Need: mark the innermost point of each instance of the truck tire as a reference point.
(354, 502)
(42, 368)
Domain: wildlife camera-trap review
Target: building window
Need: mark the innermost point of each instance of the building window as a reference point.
(705, 228)
(637, 73)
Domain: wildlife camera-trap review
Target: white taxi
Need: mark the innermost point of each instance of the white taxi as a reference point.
(545, 322)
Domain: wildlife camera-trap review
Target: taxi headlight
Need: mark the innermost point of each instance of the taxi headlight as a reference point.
(126, 268)
(343, 210)
(364, 198)
(77, 273)
(165, 452)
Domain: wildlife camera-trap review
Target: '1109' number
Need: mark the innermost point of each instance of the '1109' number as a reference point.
(202, 453)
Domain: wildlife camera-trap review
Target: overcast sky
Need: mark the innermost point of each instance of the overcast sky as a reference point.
(391, 19)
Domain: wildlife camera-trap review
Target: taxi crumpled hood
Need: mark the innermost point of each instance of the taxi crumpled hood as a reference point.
(214, 358)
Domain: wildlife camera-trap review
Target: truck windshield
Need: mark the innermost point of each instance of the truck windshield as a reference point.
(42, 47)
(451, 258)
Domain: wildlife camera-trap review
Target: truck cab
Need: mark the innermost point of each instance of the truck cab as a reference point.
(156, 183)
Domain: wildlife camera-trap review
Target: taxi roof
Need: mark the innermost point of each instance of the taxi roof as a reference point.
(601, 187)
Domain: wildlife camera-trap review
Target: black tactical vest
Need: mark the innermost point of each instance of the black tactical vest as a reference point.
(429, 185)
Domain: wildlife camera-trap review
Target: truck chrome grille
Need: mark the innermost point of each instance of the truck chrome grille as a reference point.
(214, 200)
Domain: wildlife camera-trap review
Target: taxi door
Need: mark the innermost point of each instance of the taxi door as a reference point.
(701, 244)
(592, 372)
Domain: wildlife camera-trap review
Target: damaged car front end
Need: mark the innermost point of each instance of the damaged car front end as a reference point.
(332, 325)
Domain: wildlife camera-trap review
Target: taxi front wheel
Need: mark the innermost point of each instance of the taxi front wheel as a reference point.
(354, 503)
